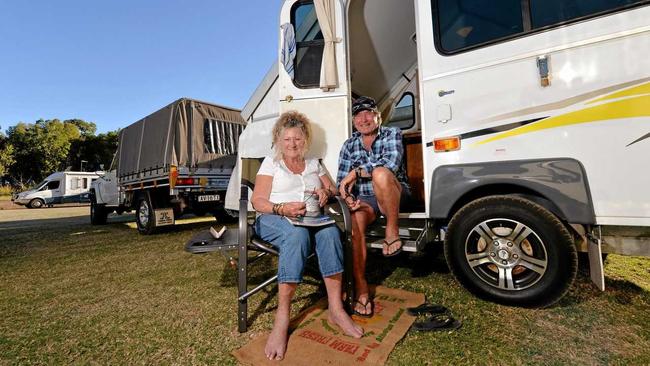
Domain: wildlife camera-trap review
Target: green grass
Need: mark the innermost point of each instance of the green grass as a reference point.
(5, 191)
(74, 293)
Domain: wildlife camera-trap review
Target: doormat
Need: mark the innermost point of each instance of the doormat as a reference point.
(313, 341)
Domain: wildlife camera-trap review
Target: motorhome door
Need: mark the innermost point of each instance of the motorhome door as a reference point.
(312, 72)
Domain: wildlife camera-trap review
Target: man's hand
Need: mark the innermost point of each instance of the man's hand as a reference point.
(347, 184)
(293, 209)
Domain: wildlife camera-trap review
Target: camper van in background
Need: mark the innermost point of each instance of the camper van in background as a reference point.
(58, 188)
(526, 125)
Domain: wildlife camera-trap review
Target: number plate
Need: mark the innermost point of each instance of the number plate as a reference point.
(209, 197)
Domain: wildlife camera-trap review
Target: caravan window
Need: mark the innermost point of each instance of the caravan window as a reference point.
(465, 23)
(403, 116)
(549, 12)
(461, 25)
(309, 45)
(220, 137)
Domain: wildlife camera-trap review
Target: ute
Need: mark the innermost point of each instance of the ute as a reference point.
(177, 160)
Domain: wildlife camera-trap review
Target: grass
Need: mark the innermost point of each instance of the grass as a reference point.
(5, 191)
(75, 293)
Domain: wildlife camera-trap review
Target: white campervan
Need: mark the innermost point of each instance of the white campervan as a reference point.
(526, 124)
(57, 188)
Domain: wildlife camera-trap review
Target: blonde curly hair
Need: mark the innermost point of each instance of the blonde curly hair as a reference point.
(291, 119)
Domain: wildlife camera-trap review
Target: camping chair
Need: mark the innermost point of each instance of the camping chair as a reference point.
(245, 240)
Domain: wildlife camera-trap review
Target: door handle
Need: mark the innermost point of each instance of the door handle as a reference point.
(544, 74)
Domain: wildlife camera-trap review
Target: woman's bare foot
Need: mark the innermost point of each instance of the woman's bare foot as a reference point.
(343, 320)
(276, 345)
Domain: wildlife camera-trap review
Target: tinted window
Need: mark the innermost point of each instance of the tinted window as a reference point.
(548, 12)
(53, 185)
(309, 45)
(403, 116)
(465, 23)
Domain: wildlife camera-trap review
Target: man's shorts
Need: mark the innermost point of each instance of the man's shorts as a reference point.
(404, 201)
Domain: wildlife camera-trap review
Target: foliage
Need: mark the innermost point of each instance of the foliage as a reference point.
(5, 191)
(31, 151)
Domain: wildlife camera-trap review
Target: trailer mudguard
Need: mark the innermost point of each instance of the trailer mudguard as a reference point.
(561, 181)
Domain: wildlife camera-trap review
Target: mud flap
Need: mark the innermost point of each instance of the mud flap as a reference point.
(164, 217)
(596, 271)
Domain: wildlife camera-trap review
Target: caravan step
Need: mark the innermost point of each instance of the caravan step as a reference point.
(407, 245)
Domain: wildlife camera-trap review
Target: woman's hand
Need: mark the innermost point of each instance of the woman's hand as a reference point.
(323, 195)
(293, 209)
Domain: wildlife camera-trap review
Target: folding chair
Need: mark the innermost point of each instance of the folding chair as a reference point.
(245, 240)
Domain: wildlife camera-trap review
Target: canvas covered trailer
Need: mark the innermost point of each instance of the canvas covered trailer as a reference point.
(177, 159)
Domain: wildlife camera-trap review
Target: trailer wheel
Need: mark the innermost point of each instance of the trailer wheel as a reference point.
(36, 203)
(511, 250)
(144, 216)
(98, 213)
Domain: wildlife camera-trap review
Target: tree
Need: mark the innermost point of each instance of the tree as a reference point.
(6, 155)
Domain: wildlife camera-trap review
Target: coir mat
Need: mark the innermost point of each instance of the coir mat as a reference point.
(314, 341)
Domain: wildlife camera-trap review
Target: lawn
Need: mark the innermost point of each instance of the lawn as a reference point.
(75, 293)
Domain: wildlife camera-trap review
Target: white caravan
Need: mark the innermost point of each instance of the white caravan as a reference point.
(59, 187)
(526, 125)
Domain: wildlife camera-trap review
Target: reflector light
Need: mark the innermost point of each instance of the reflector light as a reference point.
(446, 144)
(173, 175)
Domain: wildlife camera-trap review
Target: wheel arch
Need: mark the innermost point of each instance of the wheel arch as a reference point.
(559, 185)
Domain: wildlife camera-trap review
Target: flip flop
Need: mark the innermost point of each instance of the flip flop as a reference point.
(398, 251)
(365, 306)
(427, 309)
(438, 322)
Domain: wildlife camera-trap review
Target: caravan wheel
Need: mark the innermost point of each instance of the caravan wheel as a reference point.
(512, 251)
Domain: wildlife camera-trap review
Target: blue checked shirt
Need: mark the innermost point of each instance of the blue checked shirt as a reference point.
(387, 151)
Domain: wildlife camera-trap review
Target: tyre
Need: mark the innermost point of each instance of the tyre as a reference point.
(512, 251)
(98, 213)
(144, 216)
(36, 203)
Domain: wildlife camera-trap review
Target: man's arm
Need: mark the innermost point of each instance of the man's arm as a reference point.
(345, 164)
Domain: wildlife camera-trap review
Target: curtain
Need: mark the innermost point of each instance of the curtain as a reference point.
(325, 11)
(288, 53)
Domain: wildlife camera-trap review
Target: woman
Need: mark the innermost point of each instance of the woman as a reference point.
(282, 185)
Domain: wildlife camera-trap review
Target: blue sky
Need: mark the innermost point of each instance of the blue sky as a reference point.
(113, 62)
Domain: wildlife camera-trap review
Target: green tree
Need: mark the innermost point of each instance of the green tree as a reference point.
(6, 155)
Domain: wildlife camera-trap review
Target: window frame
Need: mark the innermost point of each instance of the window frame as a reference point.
(404, 95)
(527, 24)
(305, 44)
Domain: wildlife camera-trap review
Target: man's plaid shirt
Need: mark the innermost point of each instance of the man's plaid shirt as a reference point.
(387, 151)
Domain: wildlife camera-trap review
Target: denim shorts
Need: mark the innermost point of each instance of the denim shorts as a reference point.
(371, 199)
(295, 244)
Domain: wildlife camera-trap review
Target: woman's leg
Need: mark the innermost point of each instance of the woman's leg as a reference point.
(330, 258)
(276, 345)
(294, 245)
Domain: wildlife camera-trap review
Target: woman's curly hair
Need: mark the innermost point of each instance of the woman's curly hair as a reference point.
(291, 119)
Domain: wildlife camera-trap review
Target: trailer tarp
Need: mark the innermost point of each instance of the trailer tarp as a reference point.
(186, 133)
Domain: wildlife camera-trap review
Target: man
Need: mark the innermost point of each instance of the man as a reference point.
(372, 180)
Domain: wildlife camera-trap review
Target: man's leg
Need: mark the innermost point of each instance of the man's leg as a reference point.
(388, 191)
(361, 218)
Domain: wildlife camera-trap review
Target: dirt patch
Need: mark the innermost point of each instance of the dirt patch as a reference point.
(8, 205)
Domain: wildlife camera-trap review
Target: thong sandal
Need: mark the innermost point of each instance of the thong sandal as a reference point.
(398, 251)
(427, 309)
(439, 322)
(365, 306)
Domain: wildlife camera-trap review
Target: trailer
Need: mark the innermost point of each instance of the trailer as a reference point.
(177, 160)
(526, 126)
(58, 188)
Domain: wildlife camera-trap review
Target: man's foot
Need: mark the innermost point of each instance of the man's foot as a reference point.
(392, 247)
(276, 345)
(343, 320)
(363, 306)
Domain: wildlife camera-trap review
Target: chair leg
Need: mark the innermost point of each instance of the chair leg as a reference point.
(348, 277)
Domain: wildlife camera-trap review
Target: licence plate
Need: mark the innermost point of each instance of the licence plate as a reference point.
(209, 197)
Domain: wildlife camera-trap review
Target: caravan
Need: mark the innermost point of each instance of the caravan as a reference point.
(57, 188)
(526, 125)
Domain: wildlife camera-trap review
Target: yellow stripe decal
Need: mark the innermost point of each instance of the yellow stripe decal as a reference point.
(626, 108)
(637, 90)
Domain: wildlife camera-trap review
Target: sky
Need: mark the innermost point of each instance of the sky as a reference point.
(113, 62)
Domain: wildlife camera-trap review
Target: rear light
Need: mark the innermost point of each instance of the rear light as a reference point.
(446, 144)
(185, 181)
